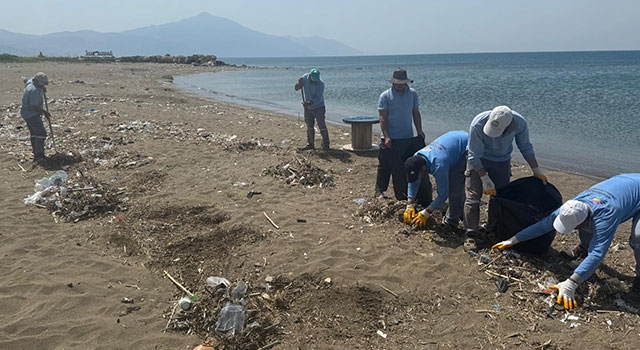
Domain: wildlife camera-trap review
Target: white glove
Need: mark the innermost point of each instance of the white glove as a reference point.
(537, 172)
(506, 244)
(487, 185)
(566, 293)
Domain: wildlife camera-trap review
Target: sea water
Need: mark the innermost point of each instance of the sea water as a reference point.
(583, 108)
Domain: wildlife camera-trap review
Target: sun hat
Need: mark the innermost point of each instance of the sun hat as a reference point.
(400, 77)
(413, 165)
(499, 119)
(314, 74)
(570, 215)
(41, 78)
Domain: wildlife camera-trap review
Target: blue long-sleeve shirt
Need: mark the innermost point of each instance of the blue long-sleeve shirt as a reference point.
(32, 96)
(441, 155)
(612, 202)
(313, 91)
(498, 149)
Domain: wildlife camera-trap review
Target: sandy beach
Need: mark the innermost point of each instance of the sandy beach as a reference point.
(162, 183)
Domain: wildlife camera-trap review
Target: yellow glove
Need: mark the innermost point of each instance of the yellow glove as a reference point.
(409, 214)
(537, 172)
(506, 244)
(566, 294)
(421, 219)
(487, 185)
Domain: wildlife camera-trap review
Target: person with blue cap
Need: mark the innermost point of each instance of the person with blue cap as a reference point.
(314, 109)
(596, 213)
(445, 158)
(32, 110)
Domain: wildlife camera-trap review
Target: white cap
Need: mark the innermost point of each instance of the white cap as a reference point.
(499, 119)
(570, 215)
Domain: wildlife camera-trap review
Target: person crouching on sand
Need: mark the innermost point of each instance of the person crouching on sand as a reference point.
(445, 158)
(596, 214)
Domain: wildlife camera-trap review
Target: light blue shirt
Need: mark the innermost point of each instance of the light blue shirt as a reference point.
(313, 91)
(441, 155)
(498, 149)
(399, 107)
(32, 96)
(612, 202)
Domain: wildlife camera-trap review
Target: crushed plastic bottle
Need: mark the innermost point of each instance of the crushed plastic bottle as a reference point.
(239, 291)
(218, 282)
(58, 178)
(231, 319)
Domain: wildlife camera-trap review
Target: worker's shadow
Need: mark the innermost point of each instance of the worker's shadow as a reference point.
(58, 161)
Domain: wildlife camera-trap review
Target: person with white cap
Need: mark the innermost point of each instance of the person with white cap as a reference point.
(314, 109)
(399, 113)
(491, 137)
(32, 110)
(596, 213)
(444, 158)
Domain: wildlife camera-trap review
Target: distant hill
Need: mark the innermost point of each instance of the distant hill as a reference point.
(204, 34)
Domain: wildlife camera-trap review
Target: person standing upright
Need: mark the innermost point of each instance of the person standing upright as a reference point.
(491, 137)
(32, 111)
(314, 109)
(399, 113)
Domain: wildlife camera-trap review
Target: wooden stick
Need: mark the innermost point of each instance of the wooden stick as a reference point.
(271, 221)
(388, 290)
(191, 295)
(491, 262)
(20, 165)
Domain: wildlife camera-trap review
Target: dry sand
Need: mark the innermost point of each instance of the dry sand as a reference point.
(172, 175)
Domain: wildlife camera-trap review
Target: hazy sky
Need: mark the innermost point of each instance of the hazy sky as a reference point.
(371, 26)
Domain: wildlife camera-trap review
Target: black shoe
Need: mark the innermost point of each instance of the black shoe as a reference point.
(578, 252)
(448, 224)
(306, 148)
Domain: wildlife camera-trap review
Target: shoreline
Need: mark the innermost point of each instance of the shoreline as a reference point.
(516, 157)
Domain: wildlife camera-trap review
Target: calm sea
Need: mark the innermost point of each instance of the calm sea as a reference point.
(583, 108)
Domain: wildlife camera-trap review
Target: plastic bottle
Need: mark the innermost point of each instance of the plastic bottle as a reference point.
(218, 282)
(231, 319)
(239, 291)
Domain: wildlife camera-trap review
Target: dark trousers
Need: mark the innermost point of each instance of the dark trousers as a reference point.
(310, 117)
(38, 136)
(391, 166)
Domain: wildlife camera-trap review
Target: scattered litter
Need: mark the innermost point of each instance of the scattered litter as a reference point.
(382, 334)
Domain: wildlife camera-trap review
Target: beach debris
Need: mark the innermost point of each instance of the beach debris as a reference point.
(271, 221)
(218, 282)
(77, 198)
(381, 333)
(185, 303)
(301, 171)
(189, 294)
(231, 319)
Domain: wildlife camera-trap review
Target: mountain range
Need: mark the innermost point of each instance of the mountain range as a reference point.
(200, 34)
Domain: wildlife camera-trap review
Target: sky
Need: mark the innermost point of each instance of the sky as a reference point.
(371, 26)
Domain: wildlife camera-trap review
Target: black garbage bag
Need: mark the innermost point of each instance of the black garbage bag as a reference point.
(522, 203)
